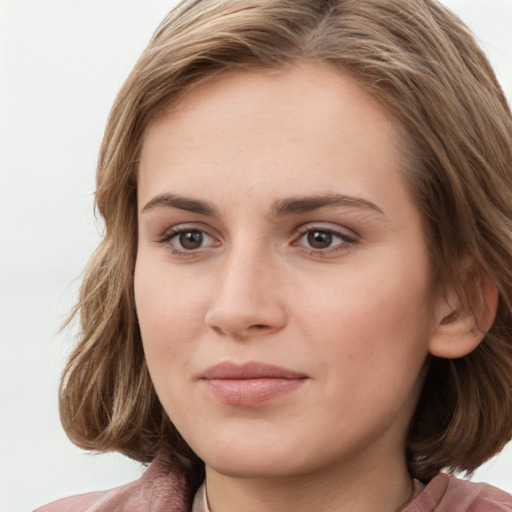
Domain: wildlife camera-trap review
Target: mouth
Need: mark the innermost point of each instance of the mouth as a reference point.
(250, 384)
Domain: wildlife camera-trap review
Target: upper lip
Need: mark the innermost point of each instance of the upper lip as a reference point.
(250, 370)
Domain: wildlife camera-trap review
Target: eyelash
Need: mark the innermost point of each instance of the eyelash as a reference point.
(346, 241)
(168, 236)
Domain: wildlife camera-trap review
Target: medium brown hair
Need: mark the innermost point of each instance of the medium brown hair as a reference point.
(421, 62)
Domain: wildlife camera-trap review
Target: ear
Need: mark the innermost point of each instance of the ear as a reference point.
(462, 322)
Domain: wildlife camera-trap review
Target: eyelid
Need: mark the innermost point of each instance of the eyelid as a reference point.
(348, 237)
(169, 232)
(174, 231)
(330, 228)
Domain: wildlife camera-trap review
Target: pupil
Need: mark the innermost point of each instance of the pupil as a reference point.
(191, 239)
(319, 239)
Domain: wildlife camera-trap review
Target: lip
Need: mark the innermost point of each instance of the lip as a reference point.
(250, 384)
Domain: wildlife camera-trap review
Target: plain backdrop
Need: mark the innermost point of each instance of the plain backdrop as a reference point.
(61, 64)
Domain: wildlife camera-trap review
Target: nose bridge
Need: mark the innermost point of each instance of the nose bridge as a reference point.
(245, 298)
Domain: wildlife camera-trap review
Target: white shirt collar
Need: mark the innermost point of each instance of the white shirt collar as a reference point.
(200, 503)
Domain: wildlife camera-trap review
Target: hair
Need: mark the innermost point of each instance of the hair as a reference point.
(423, 64)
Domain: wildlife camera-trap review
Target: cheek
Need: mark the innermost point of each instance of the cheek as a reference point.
(170, 313)
(373, 346)
(376, 320)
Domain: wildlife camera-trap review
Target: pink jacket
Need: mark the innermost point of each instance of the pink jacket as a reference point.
(162, 488)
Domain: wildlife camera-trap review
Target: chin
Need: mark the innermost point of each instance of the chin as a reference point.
(244, 466)
(259, 459)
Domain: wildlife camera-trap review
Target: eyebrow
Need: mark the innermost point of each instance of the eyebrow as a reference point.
(280, 208)
(306, 204)
(180, 203)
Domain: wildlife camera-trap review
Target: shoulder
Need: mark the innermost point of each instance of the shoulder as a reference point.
(446, 493)
(161, 488)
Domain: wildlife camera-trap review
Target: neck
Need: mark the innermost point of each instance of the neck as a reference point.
(374, 489)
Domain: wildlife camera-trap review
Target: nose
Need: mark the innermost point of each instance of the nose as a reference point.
(247, 298)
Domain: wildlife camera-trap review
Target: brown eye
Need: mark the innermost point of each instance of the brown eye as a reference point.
(324, 240)
(190, 240)
(319, 239)
(187, 241)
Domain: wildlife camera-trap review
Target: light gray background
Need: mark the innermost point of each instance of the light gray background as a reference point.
(61, 64)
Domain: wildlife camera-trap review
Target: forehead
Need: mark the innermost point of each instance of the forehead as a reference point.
(308, 126)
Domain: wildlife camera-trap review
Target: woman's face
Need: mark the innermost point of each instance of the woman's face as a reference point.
(282, 279)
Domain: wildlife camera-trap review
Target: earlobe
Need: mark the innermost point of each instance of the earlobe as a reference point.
(461, 323)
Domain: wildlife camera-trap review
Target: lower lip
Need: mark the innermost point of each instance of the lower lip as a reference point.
(251, 392)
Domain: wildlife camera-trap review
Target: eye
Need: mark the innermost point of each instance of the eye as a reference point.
(190, 240)
(187, 240)
(323, 239)
(319, 239)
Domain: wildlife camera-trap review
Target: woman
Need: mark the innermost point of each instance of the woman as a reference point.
(303, 299)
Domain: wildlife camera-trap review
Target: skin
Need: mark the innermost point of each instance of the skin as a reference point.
(355, 314)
